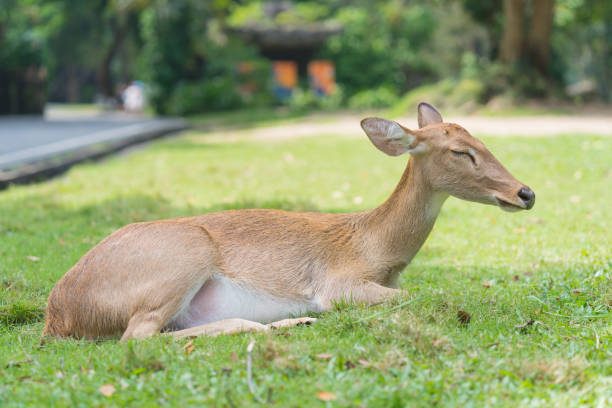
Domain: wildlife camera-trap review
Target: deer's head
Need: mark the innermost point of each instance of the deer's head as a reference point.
(451, 160)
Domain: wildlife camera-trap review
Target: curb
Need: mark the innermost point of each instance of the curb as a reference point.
(34, 164)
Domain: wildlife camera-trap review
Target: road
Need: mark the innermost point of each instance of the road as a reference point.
(26, 140)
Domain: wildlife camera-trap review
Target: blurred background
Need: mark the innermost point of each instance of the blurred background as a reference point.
(182, 57)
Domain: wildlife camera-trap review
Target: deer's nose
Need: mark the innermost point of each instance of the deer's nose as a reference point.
(527, 196)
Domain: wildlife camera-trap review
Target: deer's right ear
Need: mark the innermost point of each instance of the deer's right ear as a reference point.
(389, 137)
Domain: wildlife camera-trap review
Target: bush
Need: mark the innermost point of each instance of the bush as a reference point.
(192, 64)
(373, 99)
(306, 100)
(449, 94)
(380, 46)
(195, 97)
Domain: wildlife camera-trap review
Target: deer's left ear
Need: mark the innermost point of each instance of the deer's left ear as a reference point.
(428, 115)
(390, 137)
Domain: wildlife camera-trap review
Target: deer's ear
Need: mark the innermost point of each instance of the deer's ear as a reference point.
(389, 137)
(428, 115)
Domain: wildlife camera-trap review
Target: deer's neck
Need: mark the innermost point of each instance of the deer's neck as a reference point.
(399, 227)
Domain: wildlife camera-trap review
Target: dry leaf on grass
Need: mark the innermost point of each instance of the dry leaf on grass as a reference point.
(326, 396)
(33, 258)
(364, 363)
(107, 390)
(349, 364)
(189, 347)
(324, 356)
(523, 325)
(486, 284)
(464, 317)
(531, 323)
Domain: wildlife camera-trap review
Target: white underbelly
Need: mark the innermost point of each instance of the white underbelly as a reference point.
(220, 298)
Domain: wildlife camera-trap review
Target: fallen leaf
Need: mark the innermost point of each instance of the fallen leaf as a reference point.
(515, 277)
(107, 390)
(62, 241)
(364, 363)
(324, 356)
(486, 284)
(234, 357)
(349, 364)
(577, 291)
(520, 230)
(189, 347)
(33, 258)
(438, 342)
(526, 324)
(285, 333)
(541, 324)
(326, 396)
(464, 317)
(493, 344)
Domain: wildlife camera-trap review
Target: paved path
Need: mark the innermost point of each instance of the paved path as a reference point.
(27, 140)
(348, 125)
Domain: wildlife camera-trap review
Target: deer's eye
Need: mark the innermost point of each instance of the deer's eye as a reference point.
(468, 154)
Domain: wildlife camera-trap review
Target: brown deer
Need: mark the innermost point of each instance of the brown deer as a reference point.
(237, 270)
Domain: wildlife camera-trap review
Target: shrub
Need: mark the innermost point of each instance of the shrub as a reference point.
(372, 99)
(306, 100)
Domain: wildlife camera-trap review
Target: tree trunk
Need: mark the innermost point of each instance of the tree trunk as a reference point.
(512, 36)
(105, 82)
(72, 83)
(538, 39)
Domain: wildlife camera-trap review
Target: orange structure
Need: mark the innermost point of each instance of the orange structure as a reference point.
(322, 77)
(285, 78)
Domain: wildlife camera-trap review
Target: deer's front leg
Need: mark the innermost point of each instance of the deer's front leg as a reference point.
(361, 292)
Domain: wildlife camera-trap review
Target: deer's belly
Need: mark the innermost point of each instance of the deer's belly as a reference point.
(221, 298)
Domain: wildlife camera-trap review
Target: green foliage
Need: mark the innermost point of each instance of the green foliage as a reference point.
(302, 12)
(380, 46)
(306, 100)
(185, 49)
(192, 63)
(373, 99)
(461, 95)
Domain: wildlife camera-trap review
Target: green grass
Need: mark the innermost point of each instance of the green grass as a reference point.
(552, 265)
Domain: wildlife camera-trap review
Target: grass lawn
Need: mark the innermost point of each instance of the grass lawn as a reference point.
(551, 266)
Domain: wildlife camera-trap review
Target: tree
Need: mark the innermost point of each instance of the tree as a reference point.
(529, 43)
(538, 38)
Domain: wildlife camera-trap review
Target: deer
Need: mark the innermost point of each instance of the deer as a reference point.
(259, 269)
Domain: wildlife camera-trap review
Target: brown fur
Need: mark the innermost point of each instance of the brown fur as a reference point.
(138, 278)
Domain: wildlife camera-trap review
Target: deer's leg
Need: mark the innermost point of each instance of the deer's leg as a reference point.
(292, 322)
(362, 292)
(227, 326)
(170, 276)
(232, 326)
